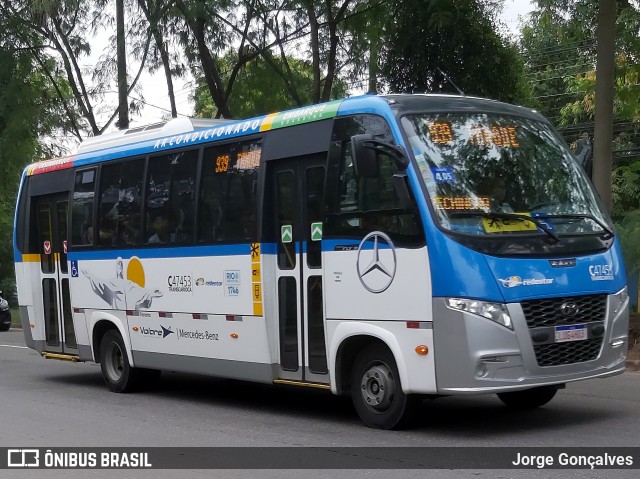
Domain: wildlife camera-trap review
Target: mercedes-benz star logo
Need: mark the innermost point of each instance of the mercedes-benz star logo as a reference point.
(378, 275)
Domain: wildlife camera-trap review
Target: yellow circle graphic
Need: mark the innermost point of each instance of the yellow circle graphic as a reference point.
(135, 272)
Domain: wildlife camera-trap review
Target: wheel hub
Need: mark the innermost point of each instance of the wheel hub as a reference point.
(115, 362)
(378, 387)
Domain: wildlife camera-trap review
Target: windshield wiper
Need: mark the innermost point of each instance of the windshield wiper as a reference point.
(514, 216)
(602, 225)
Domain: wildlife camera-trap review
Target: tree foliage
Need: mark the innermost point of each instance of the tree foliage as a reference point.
(427, 39)
(258, 89)
(558, 43)
(29, 108)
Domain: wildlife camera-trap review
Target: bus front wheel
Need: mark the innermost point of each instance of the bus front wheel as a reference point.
(529, 398)
(376, 391)
(118, 374)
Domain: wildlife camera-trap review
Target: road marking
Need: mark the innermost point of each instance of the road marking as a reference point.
(12, 346)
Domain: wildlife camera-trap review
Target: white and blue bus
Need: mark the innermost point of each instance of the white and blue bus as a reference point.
(383, 247)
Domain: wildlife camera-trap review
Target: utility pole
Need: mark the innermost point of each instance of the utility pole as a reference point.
(123, 104)
(605, 77)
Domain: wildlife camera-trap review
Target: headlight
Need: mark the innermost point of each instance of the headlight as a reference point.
(619, 299)
(3, 304)
(496, 312)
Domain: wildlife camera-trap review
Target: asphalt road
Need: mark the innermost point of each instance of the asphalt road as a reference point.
(49, 403)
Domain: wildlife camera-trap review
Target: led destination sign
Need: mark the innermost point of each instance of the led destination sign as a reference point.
(441, 133)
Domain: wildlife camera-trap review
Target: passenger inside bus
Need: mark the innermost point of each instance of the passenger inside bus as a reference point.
(496, 190)
(106, 232)
(159, 228)
(129, 234)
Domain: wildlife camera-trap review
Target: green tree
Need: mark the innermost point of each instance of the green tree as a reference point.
(62, 30)
(156, 13)
(29, 107)
(627, 82)
(558, 43)
(259, 89)
(427, 37)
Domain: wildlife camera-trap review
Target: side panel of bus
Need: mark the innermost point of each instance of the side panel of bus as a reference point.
(376, 267)
(335, 261)
(171, 264)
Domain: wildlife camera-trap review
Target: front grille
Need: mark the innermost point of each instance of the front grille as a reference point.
(544, 314)
(548, 312)
(556, 354)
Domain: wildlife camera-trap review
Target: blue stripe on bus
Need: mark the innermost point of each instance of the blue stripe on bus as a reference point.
(168, 252)
(268, 248)
(17, 255)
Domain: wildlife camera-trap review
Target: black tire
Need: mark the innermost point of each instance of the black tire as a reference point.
(117, 373)
(376, 391)
(5, 321)
(529, 398)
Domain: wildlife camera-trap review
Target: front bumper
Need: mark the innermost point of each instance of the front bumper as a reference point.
(475, 355)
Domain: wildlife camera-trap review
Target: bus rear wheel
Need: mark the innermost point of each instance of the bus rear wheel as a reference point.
(376, 391)
(117, 373)
(529, 398)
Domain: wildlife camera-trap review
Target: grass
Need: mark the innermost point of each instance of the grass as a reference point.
(634, 337)
(15, 318)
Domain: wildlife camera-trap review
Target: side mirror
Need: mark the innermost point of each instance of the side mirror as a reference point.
(365, 159)
(364, 149)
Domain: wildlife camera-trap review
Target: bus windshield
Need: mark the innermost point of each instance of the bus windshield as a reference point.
(494, 175)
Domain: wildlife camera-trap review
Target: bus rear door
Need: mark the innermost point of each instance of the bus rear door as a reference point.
(50, 218)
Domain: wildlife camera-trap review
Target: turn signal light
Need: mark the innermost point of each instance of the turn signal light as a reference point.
(234, 335)
(135, 328)
(422, 350)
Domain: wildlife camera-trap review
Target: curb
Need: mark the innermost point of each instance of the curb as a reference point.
(633, 365)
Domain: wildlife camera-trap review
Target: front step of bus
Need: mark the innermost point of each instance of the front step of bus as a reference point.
(62, 357)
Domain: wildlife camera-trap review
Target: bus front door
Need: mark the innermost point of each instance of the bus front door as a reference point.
(51, 214)
(298, 197)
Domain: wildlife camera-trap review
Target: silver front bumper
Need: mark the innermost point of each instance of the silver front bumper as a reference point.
(476, 355)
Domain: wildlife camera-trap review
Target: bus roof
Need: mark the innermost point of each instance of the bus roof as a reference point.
(183, 132)
(421, 103)
(146, 132)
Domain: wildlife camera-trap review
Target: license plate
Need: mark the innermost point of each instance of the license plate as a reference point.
(576, 332)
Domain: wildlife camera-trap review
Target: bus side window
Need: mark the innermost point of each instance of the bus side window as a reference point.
(228, 201)
(170, 205)
(362, 204)
(119, 209)
(82, 208)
